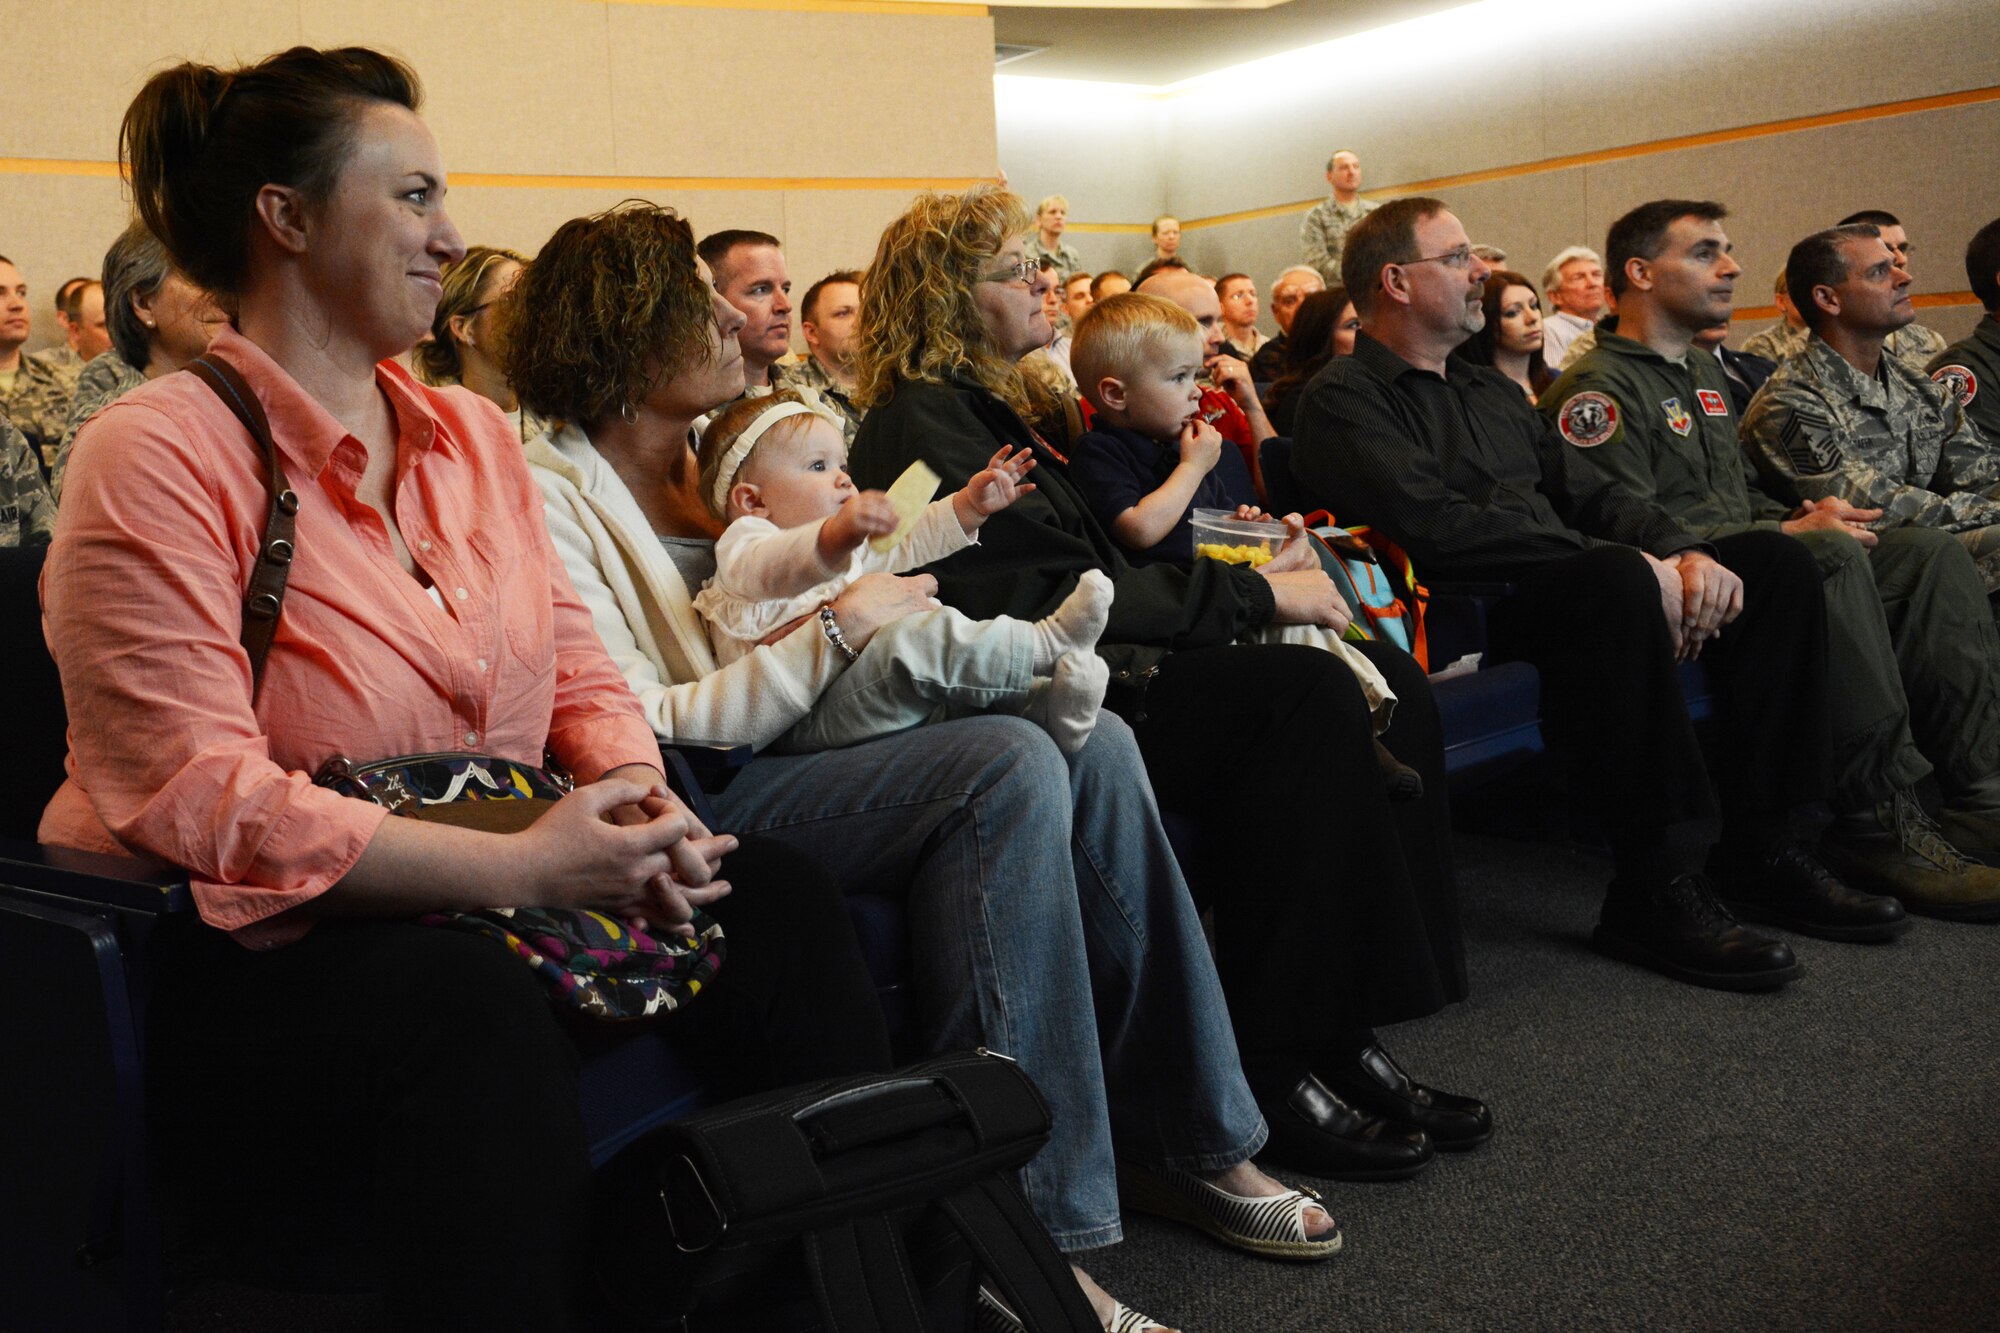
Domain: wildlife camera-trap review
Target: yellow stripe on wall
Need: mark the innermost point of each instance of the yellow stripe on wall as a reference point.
(1880, 111)
(45, 166)
(907, 8)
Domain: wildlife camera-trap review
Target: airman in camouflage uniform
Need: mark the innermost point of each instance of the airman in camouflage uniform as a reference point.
(810, 374)
(1933, 674)
(38, 405)
(1894, 442)
(106, 379)
(1068, 262)
(1777, 343)
(63, 360)
(1970, 370)
(27, 514)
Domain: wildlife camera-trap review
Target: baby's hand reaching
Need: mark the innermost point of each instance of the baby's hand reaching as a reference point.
(867, 514)
(992, 490)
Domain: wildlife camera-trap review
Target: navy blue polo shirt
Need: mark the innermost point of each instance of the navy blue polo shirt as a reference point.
(1116, 468)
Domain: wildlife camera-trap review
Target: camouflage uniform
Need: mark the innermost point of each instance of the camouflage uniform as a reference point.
(64, 361)
(1971, 369)
(1778, 342)
(1667, 432)
(38, 405)
(1323, 234)
(105, 379)
(1913, 344)
(810, 374)
(1898, 443)
(27, 514)
(1068, 261)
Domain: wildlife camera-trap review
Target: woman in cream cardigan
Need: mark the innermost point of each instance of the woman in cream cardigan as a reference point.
(1027, 877)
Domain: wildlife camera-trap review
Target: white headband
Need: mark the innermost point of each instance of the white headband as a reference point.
(739, 449)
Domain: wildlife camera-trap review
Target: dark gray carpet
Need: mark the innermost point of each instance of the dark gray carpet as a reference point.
(1665, 1158)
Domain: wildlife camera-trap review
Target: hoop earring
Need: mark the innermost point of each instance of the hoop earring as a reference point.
(630, 413)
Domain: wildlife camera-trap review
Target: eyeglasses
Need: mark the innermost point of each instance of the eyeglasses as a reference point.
(1023, 272)
(1460, 259)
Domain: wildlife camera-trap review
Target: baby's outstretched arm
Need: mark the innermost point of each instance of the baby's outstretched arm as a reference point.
(993, 489)
(867, 514)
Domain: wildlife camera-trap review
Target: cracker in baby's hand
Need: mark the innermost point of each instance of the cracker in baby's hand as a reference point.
(915, 489)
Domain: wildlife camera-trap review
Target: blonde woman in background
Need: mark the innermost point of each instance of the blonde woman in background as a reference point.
(464, 346)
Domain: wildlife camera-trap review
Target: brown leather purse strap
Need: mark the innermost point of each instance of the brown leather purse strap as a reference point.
(266, 595)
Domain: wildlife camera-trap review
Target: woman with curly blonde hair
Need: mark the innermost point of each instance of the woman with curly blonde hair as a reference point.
(1310, 961)
(467, 330)
(1047, 916)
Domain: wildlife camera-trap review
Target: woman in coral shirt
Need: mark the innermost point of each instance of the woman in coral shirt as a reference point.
(329, 1070)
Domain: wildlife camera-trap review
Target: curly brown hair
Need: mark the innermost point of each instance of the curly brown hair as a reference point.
(918, 317)
(611, 306)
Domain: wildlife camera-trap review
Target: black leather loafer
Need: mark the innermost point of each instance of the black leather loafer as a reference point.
(1679, 930)
(1792, 887)
(1375, 1082)
(1313, 1130)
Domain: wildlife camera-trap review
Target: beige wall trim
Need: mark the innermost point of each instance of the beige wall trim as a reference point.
(907, 8)
(42, 166)
(1879, 111)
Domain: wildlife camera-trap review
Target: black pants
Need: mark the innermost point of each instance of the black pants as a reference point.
(1335, 908)
(1612, 703)
(407, 1096)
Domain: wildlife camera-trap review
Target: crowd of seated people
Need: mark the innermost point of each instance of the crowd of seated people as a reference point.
(648, 519)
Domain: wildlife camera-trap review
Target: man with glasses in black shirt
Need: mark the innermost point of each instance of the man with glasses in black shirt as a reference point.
(1612, 596)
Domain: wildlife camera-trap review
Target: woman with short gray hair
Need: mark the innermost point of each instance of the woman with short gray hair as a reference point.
(158, 320)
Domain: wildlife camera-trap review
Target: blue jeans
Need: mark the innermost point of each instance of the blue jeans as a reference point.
(1028, 951)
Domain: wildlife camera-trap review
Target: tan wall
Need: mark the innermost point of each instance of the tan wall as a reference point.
(815, 126)
(1457, 100)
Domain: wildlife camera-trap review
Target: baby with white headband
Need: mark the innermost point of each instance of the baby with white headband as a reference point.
(775, 469)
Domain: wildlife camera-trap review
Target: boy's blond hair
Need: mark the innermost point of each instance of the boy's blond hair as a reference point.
(1124, 333)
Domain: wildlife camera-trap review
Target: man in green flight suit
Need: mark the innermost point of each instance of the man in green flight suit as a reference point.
(1970, 367)
(1653, 411)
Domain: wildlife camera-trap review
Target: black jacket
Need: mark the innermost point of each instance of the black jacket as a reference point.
(1031, 554)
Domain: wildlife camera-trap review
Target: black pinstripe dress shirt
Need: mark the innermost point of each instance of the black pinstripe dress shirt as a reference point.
(1459, 470)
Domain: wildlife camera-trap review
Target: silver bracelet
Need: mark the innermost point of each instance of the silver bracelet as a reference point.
(831, 628)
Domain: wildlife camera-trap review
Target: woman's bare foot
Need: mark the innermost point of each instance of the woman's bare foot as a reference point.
(1246, 1180)
(1101, 1302)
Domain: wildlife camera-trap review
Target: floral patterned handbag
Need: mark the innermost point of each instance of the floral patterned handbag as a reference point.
(594, 964)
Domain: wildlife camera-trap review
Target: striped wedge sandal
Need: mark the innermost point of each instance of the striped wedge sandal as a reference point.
(1274, 1227)
(995, 1317)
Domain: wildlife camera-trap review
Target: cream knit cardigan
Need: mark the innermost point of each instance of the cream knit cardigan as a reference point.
(645, 614)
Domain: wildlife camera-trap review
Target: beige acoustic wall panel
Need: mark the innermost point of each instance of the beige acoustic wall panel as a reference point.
(814, 125)
(510, 85)
(710, 92)
(1104, 152)
(74, 64)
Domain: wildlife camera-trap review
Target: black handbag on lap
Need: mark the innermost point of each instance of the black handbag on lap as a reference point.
(893, 1188)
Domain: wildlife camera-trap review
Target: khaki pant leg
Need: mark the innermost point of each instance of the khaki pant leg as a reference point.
(1947, 649)
(1874, 752)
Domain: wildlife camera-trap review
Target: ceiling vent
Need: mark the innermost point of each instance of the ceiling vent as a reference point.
(1005, 53)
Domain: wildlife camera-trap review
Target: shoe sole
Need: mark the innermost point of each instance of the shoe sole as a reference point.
(1140, 1191)
(1458, 1145)
(1972, 913)
(1869, 934)
(1625, 951)
(1306, 1167)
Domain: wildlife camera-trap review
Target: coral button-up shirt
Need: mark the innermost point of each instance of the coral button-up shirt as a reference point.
(142, 596)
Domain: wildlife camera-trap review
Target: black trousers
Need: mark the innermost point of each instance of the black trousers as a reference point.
(405, 1097)
(1612, 703)
(1335, 909)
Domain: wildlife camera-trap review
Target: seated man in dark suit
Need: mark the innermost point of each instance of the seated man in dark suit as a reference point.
(1450, 461)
